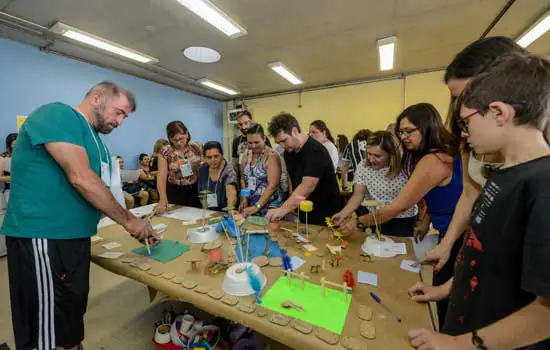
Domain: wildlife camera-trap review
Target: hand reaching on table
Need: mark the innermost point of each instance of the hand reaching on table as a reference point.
(139, 229)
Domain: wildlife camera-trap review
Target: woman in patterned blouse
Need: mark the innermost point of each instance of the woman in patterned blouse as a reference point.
(380, 177)
(178, 169)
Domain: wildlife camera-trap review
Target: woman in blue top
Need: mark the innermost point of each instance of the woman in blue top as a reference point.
(218, 178)
(431, 158)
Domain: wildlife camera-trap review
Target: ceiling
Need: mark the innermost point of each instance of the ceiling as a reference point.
(324, 42)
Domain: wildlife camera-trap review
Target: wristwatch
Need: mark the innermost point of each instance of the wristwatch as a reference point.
(258, 205)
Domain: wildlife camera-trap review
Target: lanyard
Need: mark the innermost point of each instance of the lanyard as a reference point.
(217, 181)
(97, 144)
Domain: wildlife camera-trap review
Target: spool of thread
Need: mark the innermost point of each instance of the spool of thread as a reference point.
(306, 206)
(186, 324)
(273, 226)
(162, 334)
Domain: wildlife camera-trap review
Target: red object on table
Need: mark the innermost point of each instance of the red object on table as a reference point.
(273, 226)
(349, 278)
(215, 255)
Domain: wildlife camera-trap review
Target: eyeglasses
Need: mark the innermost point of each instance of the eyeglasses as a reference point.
(406, 132)
(462, 123)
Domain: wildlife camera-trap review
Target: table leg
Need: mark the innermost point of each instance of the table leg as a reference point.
(152, 293)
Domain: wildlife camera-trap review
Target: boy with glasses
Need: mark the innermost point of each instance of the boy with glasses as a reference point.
(499, 297)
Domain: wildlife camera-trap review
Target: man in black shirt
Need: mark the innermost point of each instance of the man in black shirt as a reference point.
(499, 297)
(310, 170)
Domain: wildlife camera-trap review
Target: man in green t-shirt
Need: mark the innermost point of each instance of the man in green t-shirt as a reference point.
(61, 174)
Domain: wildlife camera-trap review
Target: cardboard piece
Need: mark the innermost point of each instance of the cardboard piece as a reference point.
(301, 326)
(246, 307)
(280, 320)
(327, 312)
(326, 336)
(364, 313)
(353, 343)
(189, 284)
(367, 330)
(216, 294)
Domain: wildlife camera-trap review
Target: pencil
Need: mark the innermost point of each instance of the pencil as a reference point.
(147, 246)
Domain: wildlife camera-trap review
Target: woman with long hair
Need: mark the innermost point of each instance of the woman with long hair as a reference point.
(380, 177)
(353, 155)
(178, 166)
(473, 60)
(261, 174)
(320, 132)
(432, 162)
(159, 144)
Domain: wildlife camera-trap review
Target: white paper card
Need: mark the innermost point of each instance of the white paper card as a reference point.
(296, 262)
(407, 265)
(111, 255)
(301, 238)
(95, 239)
(399, 248)
(160, 227)
(111, 245)
(367, 278)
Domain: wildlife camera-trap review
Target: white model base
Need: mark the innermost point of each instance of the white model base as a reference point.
(236, 279)
(379, 248)
(203, 234)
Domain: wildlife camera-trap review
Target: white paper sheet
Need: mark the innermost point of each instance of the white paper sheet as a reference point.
(367, 278)
(407, 265)
(111, 245)
(188, 214)
(296, 262)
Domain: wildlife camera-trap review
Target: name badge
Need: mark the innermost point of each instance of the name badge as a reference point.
(252, 182)
(186, 169)
(212, 200)
(106, 174)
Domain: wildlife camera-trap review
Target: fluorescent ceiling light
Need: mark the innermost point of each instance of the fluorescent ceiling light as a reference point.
(541, 26)
(100, 43)
(202, 54)
(286, 73)
(216, 86)
(386, 52)
(216, 17)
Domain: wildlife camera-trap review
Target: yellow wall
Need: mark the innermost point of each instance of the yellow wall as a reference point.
(350, 108)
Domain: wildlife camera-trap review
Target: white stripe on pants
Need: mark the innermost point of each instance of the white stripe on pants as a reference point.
(44, 281)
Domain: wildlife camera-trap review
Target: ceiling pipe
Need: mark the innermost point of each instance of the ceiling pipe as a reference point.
(497, 18)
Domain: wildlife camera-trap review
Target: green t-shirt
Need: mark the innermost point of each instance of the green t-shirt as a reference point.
(43, 204)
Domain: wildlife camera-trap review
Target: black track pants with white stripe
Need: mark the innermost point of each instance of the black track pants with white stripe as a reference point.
(49, 283)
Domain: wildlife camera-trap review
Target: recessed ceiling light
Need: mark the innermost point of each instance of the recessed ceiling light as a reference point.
(202, 54)
(541, 26)
(217, 86)
(216, 17)
(282, 70)
(100, 43)
(386, 52)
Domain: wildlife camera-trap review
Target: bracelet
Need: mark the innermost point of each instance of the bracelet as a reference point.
(477, 341)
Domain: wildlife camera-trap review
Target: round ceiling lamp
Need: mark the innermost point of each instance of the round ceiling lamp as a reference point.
(202, 54)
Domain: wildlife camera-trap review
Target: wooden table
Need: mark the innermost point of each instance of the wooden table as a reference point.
(393, 284)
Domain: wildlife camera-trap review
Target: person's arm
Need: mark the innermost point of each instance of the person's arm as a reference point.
(144, 177)
(345, 169)
(430, 172)
(527, 326)
(273, 178)
(231, 193)
(76, 165)
(460, 221)
(162, 178)
(303, 190)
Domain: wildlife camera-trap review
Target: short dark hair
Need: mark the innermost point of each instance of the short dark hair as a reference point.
(142, 155)
(243, 113)
(176, 127)
(212, 145)
(522, 81)
(477, 57)
(255, 129)
(9, 139)
(111, 89)
(435, 138)
(322, 127)
(362, 135)
(283, 122)
(473, 60)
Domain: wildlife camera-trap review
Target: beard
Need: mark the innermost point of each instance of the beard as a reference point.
(102, 126)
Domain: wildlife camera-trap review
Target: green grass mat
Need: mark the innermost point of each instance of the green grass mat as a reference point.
(328, 312)
(165, 251)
